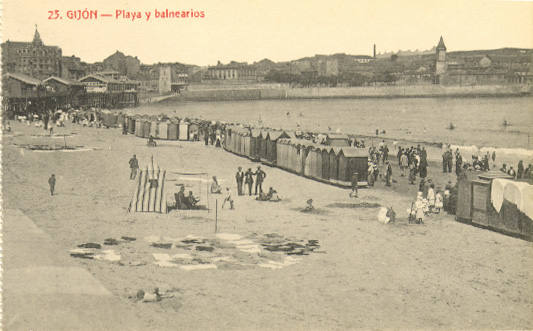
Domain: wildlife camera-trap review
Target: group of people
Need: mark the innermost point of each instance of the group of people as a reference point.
(414, 160)
(520, 172)
(245, 178)
(429, 200)
(184, 202)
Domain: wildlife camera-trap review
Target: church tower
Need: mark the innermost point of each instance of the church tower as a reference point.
(440, 65)
(37, 38)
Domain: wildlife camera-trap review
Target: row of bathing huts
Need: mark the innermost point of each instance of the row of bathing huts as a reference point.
(335, 163)
(331, 164)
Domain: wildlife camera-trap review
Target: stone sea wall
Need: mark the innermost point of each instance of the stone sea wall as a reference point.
(251, 93)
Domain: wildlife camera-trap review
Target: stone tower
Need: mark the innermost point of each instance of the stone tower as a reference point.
(440, 65)
(164, 79)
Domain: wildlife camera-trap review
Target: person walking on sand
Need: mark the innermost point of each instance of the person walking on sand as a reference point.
(260, 176)
(403, 163)
(52, 183)
(134, 166)
(239, 177)
(249, 180)
(388, 174)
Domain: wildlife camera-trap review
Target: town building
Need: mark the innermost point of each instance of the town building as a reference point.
(232, 71)
(68, 93)
(107, 92)
(73, 68)
(31, 58)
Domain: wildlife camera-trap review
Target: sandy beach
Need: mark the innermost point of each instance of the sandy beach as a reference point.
(365, 275)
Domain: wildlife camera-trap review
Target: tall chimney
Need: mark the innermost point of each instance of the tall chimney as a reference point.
(374, 51)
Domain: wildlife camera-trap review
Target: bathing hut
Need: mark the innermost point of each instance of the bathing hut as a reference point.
(131, 124)
(183, 130)
(352, 160)
(244, 133)
(172, 130)
(283, 153)
(139, 127)
(154, 129)
(255, 144)
(163, 130)
(493, 200)
(333, 165)
(270, 142)
(325, 163)
(146, 128)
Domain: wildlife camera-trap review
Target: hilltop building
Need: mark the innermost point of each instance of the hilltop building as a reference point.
(31, 58)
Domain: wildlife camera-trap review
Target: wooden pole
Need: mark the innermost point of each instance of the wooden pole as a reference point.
(216, 215)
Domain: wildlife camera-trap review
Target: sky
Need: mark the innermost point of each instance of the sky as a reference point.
(281, 30)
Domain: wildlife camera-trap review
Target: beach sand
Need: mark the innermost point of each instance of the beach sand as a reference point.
(440, 275)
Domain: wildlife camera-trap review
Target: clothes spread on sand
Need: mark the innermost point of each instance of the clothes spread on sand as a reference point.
(517, 193)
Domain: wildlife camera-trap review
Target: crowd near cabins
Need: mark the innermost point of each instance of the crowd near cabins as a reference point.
(38, 75)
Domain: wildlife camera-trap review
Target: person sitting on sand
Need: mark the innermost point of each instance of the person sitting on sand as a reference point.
(272, 195)
(151, 142)
(192, 201)
(215, 187)
(309, 206)
(181, 200)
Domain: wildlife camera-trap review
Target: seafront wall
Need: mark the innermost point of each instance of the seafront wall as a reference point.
(283, 93)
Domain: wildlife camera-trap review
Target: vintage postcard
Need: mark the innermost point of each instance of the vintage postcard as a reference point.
(267, 165)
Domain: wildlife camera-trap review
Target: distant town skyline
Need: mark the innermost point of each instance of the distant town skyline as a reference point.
(247, 31)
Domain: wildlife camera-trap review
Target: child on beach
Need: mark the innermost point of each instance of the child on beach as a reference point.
(228, 199)
(438, 201)
(420, 207)
(431, 197)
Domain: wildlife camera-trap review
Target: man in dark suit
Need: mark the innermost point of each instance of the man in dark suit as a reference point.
(260, 176)
(239, 177)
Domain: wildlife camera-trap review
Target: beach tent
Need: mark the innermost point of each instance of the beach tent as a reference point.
(172, 130)
(149, 192)
(139, 127)
(131, 124)
(146, 128)
(163, 130)
(154, 129)
(352, 160)
(183, 131)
